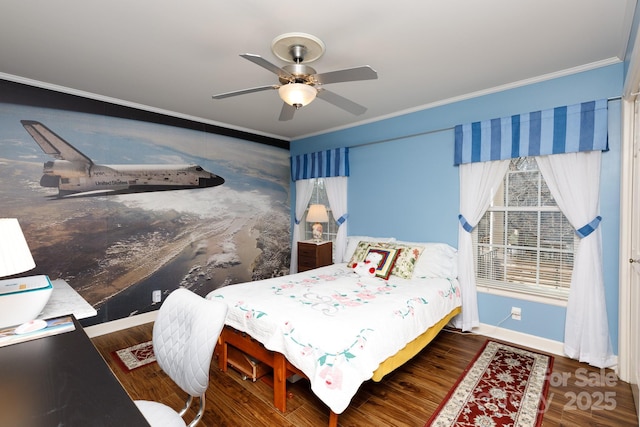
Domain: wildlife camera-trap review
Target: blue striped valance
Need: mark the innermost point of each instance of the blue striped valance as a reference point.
(573, 128)
(321, 164)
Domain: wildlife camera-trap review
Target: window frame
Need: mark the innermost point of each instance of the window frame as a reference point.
(319, 196)
(544, 292)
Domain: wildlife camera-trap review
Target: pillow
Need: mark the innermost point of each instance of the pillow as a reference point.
(360, 252)
(352, 244)
(409, 256)
(405, 262)
(387, 261)
(437, 260)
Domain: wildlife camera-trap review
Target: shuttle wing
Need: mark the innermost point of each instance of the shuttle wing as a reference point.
(52, 144)
(104, 192)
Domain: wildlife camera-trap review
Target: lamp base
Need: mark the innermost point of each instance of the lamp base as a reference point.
(317, 232)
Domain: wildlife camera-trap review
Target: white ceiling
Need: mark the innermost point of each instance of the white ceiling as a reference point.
(171, 56)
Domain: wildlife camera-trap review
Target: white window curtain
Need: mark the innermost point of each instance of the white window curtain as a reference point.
(574, 181)
(304, 189)
(478, 185)
(337, 194)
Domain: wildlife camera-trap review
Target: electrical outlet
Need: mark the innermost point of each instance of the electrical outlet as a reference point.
(516, 313)
(156, 296)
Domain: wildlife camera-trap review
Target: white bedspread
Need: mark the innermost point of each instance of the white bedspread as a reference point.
(334, 326)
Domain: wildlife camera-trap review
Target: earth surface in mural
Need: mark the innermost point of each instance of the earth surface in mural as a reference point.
(116, 250)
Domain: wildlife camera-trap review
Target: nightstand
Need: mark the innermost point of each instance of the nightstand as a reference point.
(314, 255)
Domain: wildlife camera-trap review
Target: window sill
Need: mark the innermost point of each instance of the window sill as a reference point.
(549, 297)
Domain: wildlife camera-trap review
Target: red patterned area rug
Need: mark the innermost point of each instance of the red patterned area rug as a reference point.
(503, 386)
(135, 356)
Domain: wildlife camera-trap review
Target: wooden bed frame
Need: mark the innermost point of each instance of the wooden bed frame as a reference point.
(282, 369)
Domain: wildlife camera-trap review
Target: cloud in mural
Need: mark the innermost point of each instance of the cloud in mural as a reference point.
(226, 203)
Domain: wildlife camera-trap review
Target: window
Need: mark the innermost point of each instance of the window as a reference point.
(319, 196)
(523, 242)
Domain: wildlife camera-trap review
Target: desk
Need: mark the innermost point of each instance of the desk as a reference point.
(62, 380)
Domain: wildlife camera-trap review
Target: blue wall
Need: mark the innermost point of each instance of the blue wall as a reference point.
(403, 182)
(396, 189)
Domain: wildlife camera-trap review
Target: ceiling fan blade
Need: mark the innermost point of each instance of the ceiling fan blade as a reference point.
(259, 60)
(341, 102)
(287, 112)
(347, 75)
(244, 91)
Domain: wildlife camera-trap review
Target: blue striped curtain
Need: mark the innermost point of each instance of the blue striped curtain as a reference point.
(321, 164)
(573, 128)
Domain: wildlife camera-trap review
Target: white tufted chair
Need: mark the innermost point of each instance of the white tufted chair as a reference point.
(184, 336)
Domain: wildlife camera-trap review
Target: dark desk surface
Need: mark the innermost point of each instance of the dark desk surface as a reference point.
(62, 381)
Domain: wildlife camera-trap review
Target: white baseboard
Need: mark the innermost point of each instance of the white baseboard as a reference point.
(120, 324)
(526, 340)
(520, 338)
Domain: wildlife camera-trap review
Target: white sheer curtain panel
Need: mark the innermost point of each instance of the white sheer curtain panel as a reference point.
(337, 194)
(304, 189)
(574, 181)
(478, 184)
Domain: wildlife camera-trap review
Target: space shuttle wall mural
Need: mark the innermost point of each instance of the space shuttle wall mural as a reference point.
(120, 206)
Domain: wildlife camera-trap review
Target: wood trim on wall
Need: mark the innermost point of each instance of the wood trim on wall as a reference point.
(120, 324)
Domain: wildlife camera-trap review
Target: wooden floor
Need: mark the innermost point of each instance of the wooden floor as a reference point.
(579, 395)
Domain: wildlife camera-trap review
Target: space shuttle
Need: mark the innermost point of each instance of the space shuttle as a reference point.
(75, 174)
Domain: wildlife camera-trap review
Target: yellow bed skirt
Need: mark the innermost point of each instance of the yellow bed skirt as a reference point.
(413, 348)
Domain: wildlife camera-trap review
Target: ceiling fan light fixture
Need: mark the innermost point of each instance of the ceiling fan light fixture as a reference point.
(297, 94)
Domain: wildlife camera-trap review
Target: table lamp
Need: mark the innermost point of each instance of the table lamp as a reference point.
(21, 299)
(317, 214)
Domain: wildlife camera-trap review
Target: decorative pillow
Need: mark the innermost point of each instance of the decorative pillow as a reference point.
(407, 260)
(360, 252)
(387, 259)
(407, 257)
(353, 241)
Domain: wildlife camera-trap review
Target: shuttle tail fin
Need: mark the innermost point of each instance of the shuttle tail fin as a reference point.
(52, 144)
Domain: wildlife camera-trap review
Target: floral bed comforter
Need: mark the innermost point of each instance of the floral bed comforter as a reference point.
(335, 326)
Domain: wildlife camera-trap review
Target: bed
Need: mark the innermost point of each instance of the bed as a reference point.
(339, 328)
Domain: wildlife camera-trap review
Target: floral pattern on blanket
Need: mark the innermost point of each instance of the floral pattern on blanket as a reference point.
(329, 362)
(452, 292)
(335, 326)
(302, 291)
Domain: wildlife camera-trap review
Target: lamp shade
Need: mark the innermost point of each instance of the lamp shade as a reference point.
(15, 256)
(317, 213)
(297, 94)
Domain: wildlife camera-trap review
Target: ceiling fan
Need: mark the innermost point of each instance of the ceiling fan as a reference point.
(299, 83)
